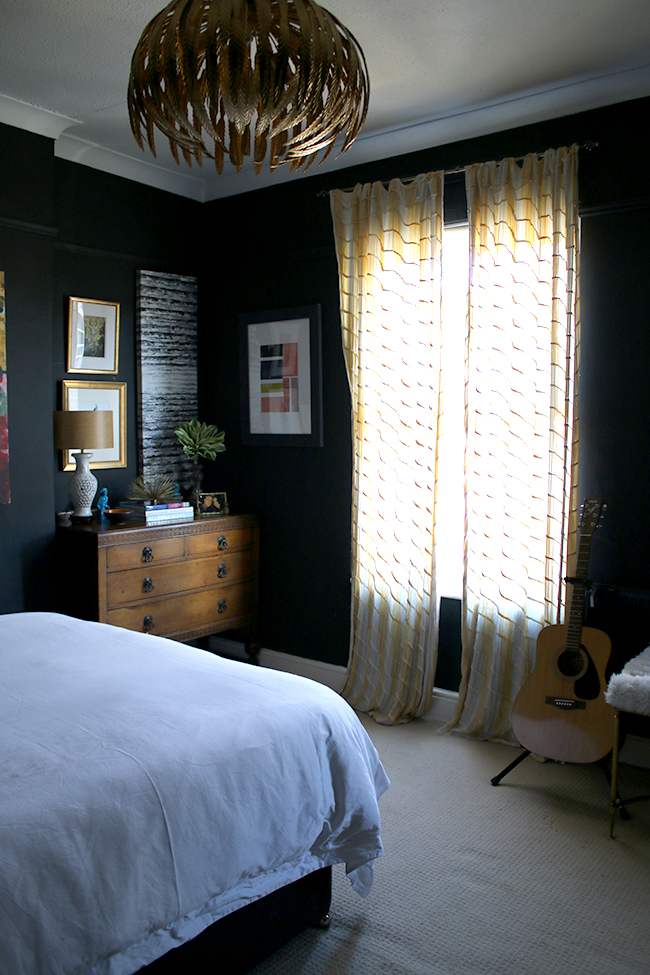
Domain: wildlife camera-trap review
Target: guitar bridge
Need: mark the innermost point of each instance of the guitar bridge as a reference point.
(566, 703)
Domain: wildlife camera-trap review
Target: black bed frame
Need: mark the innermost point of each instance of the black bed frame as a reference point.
(239, 941)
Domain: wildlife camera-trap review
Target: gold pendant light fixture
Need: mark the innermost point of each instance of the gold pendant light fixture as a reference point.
(227, 78)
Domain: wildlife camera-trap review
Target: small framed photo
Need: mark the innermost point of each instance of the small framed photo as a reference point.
(280, 361)
(93, 335)
(212, 503)
(98, 396)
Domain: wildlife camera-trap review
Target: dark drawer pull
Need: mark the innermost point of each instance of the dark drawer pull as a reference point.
(222, 543)
(222, 571)
(147, 623)
(222, 606)
(147, 554)
(147, 584)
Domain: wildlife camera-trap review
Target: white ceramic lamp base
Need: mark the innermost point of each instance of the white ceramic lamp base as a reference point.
(82, 487)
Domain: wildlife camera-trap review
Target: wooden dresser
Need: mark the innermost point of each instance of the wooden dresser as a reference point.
(180, 581)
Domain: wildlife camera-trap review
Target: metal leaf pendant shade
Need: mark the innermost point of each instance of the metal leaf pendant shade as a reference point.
(249, 76)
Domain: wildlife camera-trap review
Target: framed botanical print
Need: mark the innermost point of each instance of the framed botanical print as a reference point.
(93, 335)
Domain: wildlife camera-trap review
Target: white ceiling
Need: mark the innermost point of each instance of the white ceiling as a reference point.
(440, 71)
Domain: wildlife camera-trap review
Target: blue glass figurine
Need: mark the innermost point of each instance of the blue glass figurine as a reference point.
(102, 502)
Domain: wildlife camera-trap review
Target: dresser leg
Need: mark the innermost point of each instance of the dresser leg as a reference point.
(252, 649)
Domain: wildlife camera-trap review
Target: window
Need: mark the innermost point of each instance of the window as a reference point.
(520, 376)
(450, 485)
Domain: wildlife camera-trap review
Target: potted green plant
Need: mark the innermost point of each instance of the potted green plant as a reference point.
(200, 441)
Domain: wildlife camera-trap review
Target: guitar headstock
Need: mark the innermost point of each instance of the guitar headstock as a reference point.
(591, 512)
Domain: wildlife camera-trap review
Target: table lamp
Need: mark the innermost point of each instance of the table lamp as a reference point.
(77, 431)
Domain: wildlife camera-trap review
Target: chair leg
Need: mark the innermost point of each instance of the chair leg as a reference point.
(613, 801)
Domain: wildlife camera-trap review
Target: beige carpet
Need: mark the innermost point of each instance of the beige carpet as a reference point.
(521, 879)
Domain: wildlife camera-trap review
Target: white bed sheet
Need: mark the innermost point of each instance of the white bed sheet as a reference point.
(149, 788)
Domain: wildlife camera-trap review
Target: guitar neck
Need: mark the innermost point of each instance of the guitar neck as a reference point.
(577, 607)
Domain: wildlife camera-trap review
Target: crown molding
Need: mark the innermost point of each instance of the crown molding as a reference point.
(569, 98)
(180, 181)
(40, 121)
(540, 105)
(526, 108)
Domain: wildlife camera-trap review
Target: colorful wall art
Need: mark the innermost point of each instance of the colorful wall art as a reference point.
(5, 496)
(280, 363)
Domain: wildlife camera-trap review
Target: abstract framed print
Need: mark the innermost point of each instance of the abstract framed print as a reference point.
(280, 362)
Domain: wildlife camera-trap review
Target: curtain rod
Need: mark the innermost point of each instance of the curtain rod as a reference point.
(588, 145)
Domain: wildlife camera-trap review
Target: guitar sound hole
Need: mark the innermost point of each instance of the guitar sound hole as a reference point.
(571, 664)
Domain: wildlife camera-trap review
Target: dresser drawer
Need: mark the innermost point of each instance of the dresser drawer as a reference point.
(144, 553)
(176, 614)
(229, 540)
(152, 580)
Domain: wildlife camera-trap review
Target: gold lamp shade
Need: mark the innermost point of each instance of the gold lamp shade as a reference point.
(83, 429)
(249, 75)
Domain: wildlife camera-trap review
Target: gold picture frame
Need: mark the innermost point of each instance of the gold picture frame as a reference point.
(78, 395)
(93, 335)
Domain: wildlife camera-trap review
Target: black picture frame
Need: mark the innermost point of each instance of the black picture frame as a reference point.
(211, 504)
(281, 380)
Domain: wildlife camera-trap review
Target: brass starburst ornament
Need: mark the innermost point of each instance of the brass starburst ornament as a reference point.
(157, 489)
(231, 78)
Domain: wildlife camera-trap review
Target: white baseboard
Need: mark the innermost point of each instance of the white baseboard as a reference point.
(443, 705)
(636, 751)
(329, 674)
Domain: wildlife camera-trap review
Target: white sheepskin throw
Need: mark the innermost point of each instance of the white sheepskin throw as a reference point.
(630, 690)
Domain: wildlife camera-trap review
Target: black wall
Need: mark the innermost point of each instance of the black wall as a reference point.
(274, 248)
(26, 249)
(66, 230)
(107, 229)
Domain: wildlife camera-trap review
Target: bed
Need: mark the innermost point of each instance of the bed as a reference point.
(152, 792)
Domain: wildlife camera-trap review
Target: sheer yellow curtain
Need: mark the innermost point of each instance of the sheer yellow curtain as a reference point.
(388, 243)
(521, 424)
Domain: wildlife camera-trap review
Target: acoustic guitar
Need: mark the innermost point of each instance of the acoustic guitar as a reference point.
(561, 713)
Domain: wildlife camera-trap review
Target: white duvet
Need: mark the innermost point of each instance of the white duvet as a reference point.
(149, 788)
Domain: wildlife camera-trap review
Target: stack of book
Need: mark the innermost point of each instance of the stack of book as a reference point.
(165, 514)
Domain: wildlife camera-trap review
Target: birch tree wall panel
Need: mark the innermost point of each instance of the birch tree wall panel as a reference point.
(166, 349)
